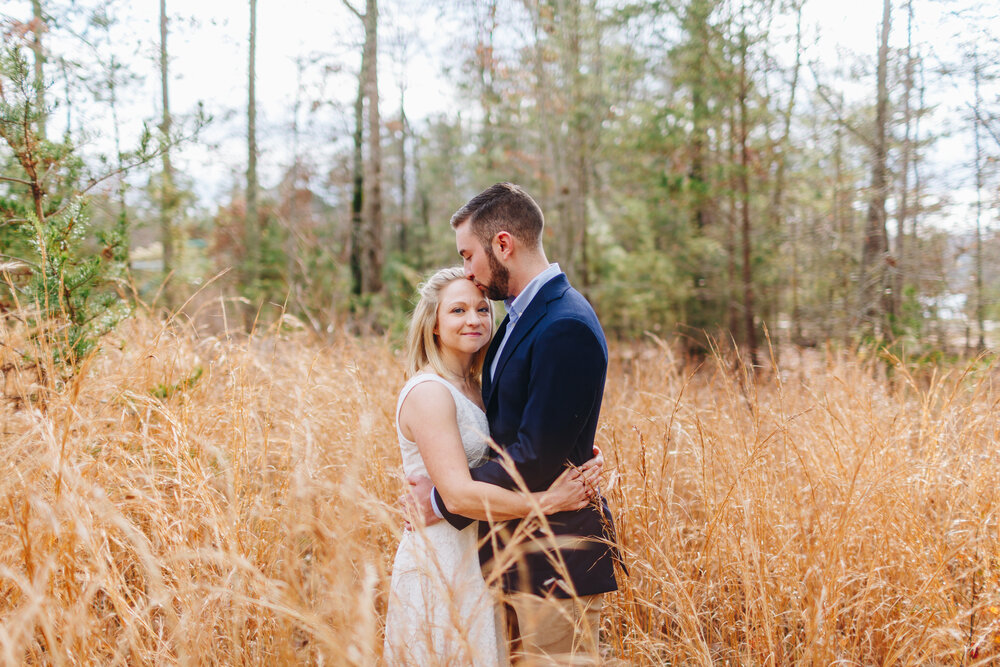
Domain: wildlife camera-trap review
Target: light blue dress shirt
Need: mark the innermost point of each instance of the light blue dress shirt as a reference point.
(516, 307)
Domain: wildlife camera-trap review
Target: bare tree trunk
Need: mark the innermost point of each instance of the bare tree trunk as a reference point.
(358, 192)
(167, 194)
(548, 137)
(876, 309)
(915, 217)
(696, 23)
(363, 173)
(796, 315)
(777, 195)
(748, 290)
(37, 28)
(732, 302)
(423, 209)
(404, 194)
(977, 76)
(486, 65)
(840, 229)
(578, 139)
(915, 255)
(294, 215)
(594, 144)
(697, 18)
(252, 228)
(902, 267)
(373, 254)
(777, 214)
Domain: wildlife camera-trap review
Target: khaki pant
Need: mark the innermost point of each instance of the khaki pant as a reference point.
(553, 631)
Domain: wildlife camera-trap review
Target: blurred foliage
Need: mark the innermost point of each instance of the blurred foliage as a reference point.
(75, 288)
(622, 120)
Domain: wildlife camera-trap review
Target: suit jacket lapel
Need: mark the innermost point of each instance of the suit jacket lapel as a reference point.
(491, 352)
(535, 311)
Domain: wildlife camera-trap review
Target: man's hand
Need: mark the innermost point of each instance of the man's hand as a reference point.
(416, 501)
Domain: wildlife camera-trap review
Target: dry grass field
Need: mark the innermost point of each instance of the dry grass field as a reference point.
(193, 499)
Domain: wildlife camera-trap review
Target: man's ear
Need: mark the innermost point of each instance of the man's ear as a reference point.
(503, 244)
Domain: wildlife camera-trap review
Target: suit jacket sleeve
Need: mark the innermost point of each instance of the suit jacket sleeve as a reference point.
(457, 520)
(568, 368)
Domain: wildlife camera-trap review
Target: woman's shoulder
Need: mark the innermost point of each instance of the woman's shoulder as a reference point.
(427, 401)
(427, 388)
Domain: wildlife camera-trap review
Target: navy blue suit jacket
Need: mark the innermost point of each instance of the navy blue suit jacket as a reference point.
(542, 406)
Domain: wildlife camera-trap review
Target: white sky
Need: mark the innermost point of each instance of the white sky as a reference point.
(209, 66)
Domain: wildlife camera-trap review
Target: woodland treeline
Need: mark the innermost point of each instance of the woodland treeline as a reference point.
(703, 171)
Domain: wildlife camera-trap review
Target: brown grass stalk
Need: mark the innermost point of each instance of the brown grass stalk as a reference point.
(196, 499)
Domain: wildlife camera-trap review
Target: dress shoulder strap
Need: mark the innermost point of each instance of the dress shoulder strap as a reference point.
(413, 382)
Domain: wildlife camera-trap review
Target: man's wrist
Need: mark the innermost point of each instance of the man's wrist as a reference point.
(434, 505)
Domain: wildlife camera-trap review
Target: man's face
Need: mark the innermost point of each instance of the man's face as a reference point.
(481, 265)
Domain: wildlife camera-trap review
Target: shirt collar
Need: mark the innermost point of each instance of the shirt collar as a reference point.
(516, 306)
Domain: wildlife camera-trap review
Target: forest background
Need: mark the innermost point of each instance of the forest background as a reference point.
(706, 167)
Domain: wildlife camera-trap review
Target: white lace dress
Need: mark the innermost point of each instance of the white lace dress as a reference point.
(440, 611)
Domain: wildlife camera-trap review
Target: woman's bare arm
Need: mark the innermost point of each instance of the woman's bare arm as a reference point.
(428, 417)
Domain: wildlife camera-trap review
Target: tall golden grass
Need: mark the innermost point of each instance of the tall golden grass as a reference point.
(194, 499)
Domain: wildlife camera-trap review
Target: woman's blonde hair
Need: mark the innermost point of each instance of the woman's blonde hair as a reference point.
(422, 346)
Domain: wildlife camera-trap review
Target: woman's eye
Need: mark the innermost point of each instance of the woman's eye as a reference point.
(484, 309)
(458, 310)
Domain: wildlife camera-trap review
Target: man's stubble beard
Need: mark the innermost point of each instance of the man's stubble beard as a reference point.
(498, 289)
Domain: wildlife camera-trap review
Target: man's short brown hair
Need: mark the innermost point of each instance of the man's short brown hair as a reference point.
(503, 207)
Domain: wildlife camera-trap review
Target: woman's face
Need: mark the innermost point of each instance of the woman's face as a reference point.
(463, 318)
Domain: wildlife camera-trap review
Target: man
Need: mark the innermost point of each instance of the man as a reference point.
(543, 381)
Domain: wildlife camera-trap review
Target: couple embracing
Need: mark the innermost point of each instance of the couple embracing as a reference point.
(534, 388)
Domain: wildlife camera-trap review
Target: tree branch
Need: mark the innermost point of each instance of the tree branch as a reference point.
(353, 10)
(125, 167)
(983, 122)
(11, 179)
(836, 112)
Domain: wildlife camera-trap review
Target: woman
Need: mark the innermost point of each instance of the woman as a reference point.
(440, 610)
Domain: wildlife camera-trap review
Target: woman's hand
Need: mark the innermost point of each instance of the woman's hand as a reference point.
(593, 467)
(591, 470)
(575, 487)
(569, 492)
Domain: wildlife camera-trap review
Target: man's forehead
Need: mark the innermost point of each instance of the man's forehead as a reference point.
(462, 238)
